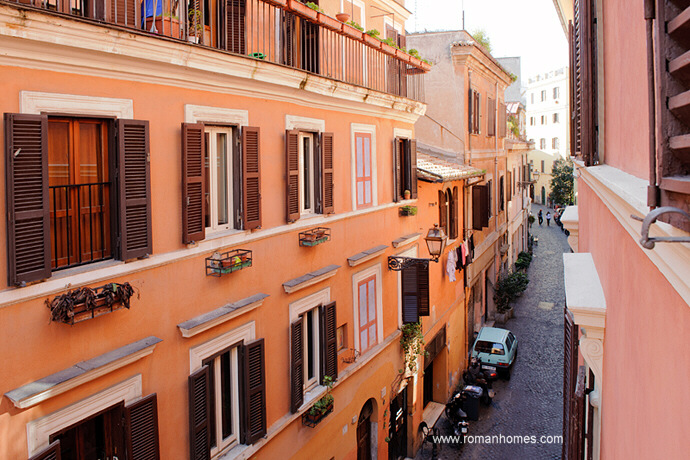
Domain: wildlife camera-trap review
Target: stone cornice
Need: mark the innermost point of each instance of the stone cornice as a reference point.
(44, 41)
(473, 56)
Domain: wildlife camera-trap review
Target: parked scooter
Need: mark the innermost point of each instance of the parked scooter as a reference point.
(456, 416)
(474, 375)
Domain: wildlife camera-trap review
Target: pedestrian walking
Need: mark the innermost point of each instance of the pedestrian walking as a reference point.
(548, 218)
(541, 218)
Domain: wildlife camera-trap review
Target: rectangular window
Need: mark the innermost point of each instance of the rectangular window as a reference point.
(224, 399)
(219, 159)
(543, 95)
(543, 119)
(366, 301)
(474, 109)
(555, 143)
(491, 117)
(556, 92)
(542, 165)
(363, 161)
(490, 198)
(79, 190)
(532, 98)
(405, 160)
(555, 118)
(542, 143)
(501, 193)
(307, 176)
(310, 332)
(95, 437)
(531, 121)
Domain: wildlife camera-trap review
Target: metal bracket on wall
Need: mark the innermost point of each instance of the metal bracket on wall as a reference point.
(397, 264)
(648, 242)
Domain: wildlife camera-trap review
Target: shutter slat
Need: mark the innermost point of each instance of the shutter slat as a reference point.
(255, 391)
(28, 211)
(235, 22)
(329, 345)
(297, 366)
(412, 143)
(442, 210)
(193, 182)
(327, 172)
(397, 170)
(199, 414)
(141, 424)
(52, 452)
(423, 289)
(410, 295)
(292, 176)
(480, 206)
(251, 177)
(134, 188)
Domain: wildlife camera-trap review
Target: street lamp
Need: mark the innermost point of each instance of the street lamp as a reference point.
(435, 242)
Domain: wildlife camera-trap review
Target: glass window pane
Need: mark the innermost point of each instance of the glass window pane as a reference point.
(367, 158)
(372, 300)
(359, 157)
(226, 394)
(367, 191)
(222, 171)
(360, 192)
(372, 335)
(363, 345)
(306, 173)
(310, 345)
(362, 305)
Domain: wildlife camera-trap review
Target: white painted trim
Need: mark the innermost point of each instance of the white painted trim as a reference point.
(304, 123)
(375, 271)
(202, 113)
(83, 378)
(373, 255)
(371, 130)
(406, 242)
(191, 332)
(246, 332)
(298, 307)
(35, 102)
(402, 133)
(411, 252)
(38, 431)
(316, 279)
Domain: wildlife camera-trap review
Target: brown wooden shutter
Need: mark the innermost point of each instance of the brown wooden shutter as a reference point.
(570, 367)
(28, 209)
(502, 119)
(52, 452)
(442, 210)
(251, 178)
(510, 185)
(412, 143)
(410, 294)
(134, 188)
(292, 176)
(297, 365)
(235, 26)
(577, 418)
(199, 415)
(327, 172)
(423, 289)
(123, 12)
(454, 213)
(329, 345)
(193, 182)
(470, 111)
(480, 206)
(584, 84)
(491, 117)
(397, 169)
(254, 374)
(141, 425)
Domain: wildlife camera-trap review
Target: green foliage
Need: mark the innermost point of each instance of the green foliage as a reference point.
(514, 126)
(373, 32)
(427, 61)
(509, 288)
(531, 219)
(415, 53)
(412, 343)
(513, 77)
(321, 406)
(523, 260)
(195, 16)
(482, 38)
(562, 182)
(356, 25)
(314, 6)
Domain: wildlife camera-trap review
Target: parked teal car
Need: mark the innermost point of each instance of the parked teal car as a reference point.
(496, 348)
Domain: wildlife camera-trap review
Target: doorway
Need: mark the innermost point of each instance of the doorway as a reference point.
(428, 383)
(364, 432)
(398, 426)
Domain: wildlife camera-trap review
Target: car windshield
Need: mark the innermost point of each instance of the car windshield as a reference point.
(482, 346)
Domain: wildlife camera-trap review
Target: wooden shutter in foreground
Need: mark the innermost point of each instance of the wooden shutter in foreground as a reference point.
(397, 169)
(410, 295)
(134, 188)
(193, 182)
(254, 387)
(199, 415)
(570, 365)
(412, 145)
(292, 174)
(52, 452)
(251, 178)
(296, 365)
(28, 212)
(423, 289)
(141, 425)
(480, 206)
(329, 345)
(327, 172)
(577, 418)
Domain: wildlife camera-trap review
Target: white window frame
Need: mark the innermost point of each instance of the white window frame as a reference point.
(197, 355)
(233, 439)
(358, 277)
(301, 307)
(357, 128)
(310, 383)
(312, 190)
(213, 132)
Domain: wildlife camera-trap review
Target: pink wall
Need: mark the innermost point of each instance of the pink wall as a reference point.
(646, 362)
(625, 87)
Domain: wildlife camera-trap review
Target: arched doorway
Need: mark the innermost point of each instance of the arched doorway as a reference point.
(366, 432)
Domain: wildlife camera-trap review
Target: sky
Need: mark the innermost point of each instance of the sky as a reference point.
(527, 28)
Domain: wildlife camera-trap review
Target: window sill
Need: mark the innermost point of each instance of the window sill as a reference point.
(222, 234)
(235, 451)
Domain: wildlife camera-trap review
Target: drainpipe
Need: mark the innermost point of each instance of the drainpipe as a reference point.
(652, 189)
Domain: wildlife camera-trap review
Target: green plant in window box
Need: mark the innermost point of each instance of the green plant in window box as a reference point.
(324, 404)
(408, 210)
(196, 22)
(356, 25)
(373, 33)
(412, 343)
(314, 6)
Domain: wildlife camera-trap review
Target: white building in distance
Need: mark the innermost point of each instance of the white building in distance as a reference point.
(548, 120)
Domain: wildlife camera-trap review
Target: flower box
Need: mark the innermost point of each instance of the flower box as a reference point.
(415, 61)
(220, 264)
(352, 32)
(300, 9)
(372, 41)
(388, 49)
(87, 303)
(408, 211)
(403, 56)
(314, 236)
(426, 66)
(328, 22)
(311, 420)
(170, 27)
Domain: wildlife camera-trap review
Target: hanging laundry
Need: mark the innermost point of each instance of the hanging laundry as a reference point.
(450, 265)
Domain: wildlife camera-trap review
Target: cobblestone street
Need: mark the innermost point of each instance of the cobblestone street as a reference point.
(530, 404)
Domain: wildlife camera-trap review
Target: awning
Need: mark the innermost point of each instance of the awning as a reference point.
(433, 169)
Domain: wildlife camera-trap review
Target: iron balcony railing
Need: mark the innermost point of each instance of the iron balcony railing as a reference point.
(80, 224)
(280, 31)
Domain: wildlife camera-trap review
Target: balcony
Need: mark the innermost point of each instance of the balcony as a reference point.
(262, 30)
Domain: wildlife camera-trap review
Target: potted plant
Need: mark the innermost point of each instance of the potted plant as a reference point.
(300, 9)
(415, 58)
(353, 30)
(388, 46)
(322, 407)
(342, 17)
(328, 22)
(402, 55)
(371, 38)
(426, 65)
(412, 343)
(408, 211)
(195, 25)
(407, 194)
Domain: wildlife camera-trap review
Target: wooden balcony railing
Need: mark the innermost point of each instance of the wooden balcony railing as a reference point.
(284, 32)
